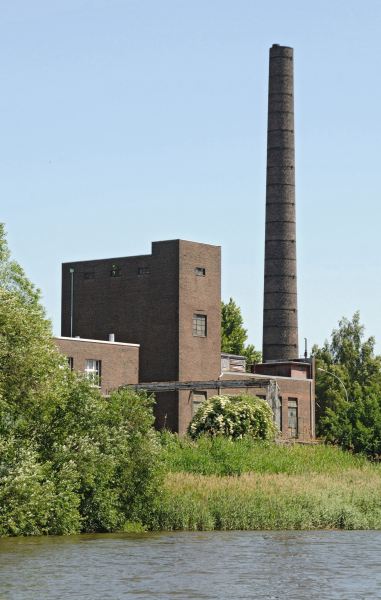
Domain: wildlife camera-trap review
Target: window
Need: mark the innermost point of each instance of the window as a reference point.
(93, 370)
(70, 362)
(197, 399)
(278, 414)
(143, 271)
(199, 325)
(115, 271)
(293, 417)
(200, 271)
(89, 275)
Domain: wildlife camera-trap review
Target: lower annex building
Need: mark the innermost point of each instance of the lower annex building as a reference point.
(154, 322)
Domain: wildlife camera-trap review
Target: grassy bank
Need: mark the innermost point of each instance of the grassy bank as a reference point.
(246, 485)
(220, 456)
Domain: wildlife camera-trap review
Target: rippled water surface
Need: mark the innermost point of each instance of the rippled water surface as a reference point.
(271, 565)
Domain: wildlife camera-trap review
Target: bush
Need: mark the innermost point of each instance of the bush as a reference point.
(70, 459)
(234, 417)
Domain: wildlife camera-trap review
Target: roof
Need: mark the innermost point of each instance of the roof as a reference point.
(78, 339)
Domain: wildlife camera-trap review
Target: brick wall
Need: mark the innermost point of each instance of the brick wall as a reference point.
(119, 362)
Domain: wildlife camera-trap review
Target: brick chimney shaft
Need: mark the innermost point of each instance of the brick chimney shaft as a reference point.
(280, 316)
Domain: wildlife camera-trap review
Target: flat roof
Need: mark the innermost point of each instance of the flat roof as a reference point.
(79, 339)
(112, 258)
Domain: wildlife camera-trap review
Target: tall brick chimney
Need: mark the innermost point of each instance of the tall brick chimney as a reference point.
(280, 316)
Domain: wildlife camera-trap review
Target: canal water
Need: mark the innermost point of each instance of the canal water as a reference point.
(270, 565)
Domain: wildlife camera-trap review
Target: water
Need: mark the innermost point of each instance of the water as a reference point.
(270, 565)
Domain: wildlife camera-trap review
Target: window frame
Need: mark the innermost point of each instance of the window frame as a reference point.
(197, 330)
(292, 404)
(94, 374)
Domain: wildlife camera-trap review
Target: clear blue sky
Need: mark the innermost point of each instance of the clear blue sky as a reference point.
(127, 121)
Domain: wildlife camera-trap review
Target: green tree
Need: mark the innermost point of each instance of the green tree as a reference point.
(348, 389)
(70, 459)
(234, 335)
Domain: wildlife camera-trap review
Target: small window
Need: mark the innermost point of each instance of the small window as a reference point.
(199, 325)
(143, 271)
(93, 370)
(278, 420)
(200, 271)
(197, 399)
(293, 417)
(70, 362)
(89, 275)
(115, 271)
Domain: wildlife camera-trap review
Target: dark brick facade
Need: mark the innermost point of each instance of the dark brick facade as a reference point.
(151, 300)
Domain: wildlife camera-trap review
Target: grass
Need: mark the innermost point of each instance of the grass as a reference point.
(217, 484)
(220, 456)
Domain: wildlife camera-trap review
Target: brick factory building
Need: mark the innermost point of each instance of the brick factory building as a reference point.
(165, 309)
(153, 321)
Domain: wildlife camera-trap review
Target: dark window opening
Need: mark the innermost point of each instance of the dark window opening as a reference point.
(89, 275)
(143, 271)
(199, 325)
(293, 417)
(70, 362)
(200, 271)
(115, 271)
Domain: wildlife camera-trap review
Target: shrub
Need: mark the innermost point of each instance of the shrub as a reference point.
(234, 417)
(70, 459)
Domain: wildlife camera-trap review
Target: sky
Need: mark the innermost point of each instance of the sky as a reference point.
(129, 121)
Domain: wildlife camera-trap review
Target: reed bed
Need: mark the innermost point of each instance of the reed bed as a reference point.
(216, 484)
(253, 501)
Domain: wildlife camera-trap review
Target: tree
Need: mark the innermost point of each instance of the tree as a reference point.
(70, 459)
(234, 335)
(348, 391)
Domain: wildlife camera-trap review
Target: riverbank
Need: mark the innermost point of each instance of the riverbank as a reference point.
(249, 486)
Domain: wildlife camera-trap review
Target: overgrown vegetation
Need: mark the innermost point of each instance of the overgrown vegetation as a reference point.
(70, 460)
(234, 417)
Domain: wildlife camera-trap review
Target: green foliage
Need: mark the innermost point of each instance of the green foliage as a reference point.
(70, 459)
(234, 335)
(349, 389)
(234, 417)
(221, 456)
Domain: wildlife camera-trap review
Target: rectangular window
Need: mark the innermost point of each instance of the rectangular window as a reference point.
(199, 325)
(293, 417)
(143, 271)
(89, 275)
(93, 370)
(197, 399)
(200, 271)
(70, 362)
